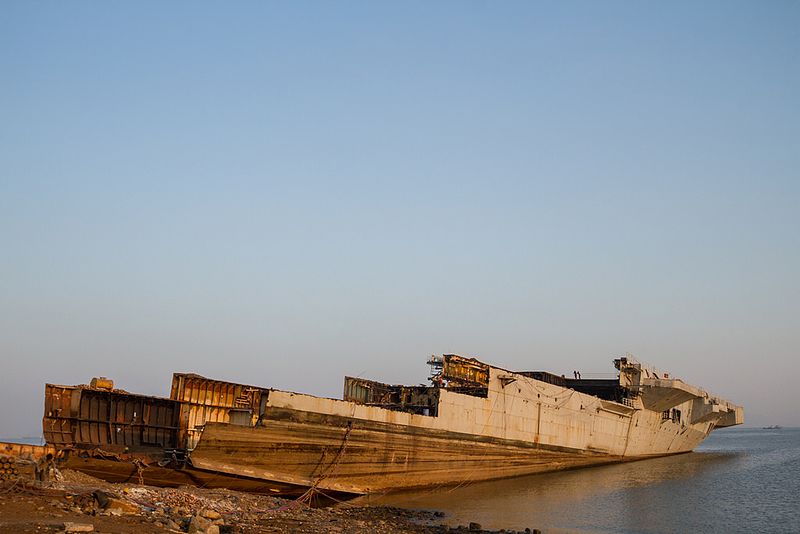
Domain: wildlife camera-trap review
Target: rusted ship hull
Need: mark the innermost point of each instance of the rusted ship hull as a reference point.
(475, 422)
(357, 456)
(122, 470)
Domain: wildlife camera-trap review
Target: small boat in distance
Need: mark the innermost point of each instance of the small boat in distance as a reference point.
(773, 427)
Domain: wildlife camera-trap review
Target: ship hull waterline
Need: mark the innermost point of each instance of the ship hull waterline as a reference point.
(358, 457)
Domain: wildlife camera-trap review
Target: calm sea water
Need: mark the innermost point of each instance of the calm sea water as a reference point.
(738, 480)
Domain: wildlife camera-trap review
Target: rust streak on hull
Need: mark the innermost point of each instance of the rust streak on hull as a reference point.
(299, 446)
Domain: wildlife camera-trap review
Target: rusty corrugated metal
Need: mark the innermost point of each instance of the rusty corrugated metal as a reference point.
(204, 400)
(112, 420)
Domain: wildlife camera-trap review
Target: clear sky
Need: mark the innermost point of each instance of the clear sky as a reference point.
(285, 193)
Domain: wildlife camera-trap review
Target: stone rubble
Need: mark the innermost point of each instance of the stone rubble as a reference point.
(218, 511)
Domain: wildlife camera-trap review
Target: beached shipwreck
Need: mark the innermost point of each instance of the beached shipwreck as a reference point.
(473, 422)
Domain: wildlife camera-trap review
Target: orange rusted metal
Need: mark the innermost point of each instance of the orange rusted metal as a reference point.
(466, 371)
(203, 400)
(117, 421)
(26, 451)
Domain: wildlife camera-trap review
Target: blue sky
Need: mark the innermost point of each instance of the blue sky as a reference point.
(284, 193)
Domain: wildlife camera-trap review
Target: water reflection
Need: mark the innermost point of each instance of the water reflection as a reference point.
(564, 499)
(739, 480)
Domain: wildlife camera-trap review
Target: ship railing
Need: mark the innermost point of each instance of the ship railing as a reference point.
(650, 369)
(600, 376)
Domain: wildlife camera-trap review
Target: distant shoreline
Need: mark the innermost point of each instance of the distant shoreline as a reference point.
(27, 440)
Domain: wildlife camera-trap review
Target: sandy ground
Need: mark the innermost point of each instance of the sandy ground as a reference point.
(74, 502)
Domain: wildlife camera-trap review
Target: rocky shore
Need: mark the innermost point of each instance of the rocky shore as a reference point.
(71, 502)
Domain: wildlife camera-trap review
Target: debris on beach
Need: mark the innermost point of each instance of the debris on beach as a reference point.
(68, 501)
